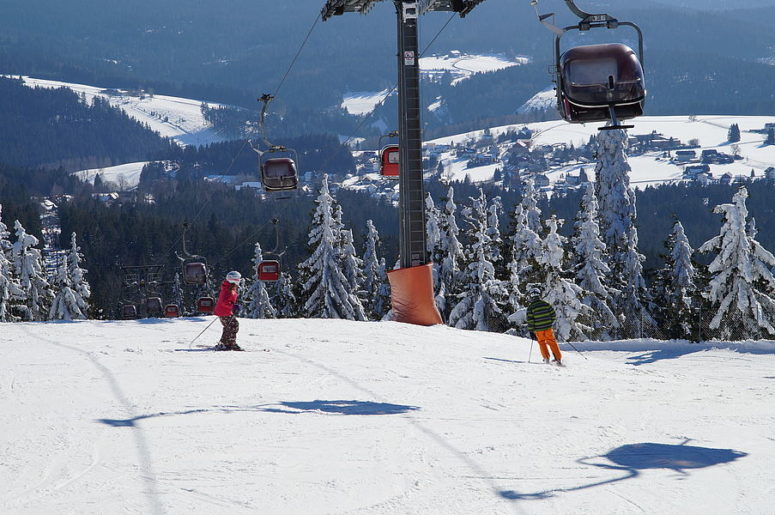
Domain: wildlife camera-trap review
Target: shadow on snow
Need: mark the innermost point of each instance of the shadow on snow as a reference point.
(657, 350)
(294, 408)
(634, 458)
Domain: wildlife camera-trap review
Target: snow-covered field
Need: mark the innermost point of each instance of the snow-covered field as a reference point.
(649, 169)
(127, 174)
(363, 102)
(178, 118)
(462, 66)
(382, 418)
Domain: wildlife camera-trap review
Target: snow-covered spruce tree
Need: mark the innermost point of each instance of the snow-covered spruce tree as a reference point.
(258, 303)
(590, 268)
(284, 300)
(66, 302)
(433, 247)
(676, 286)
(530, 198)
(453, 256)
(382, 299)
(177, 296)
(10, 291)
(561, 293)
(479, 305)
(523, 267)
(28, 268)
(494, 210)
(78, 282)
(352, 265)
(374, 278)
(742, 287)
(617, 225)
(324, 289)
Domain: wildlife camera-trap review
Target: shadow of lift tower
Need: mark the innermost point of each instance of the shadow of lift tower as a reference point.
(411, 286)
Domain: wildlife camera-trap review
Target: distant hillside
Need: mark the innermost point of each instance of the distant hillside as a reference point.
(55, 128)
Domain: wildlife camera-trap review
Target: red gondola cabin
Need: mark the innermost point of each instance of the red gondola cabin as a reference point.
(269, 271)
(171, 311)
(279, 174)
(390, 166)
(205, 305)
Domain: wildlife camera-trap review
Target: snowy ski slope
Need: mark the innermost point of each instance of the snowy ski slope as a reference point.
(378, 418)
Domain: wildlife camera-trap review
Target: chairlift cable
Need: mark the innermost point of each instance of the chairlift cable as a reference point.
(298, 53)
(384, 99)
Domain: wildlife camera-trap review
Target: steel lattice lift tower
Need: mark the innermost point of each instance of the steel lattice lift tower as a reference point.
(411, 286)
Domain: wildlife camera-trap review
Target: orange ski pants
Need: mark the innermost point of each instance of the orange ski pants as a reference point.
(546, 341)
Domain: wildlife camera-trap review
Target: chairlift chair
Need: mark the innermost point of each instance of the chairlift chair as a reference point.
(171, 311)
(205, 305)
(598, 83)
(128, 312)
(390, 166)
(279, 173)
(389, 158)
(195, 272)
(154, 307)
(269, 270)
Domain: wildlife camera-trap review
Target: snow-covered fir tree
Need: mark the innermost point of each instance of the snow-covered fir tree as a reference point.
(259, 305)
(284, 301)
(10, 291)
(617, 225)
(324, 291)
(676, 289)
(523, 266)
(479, 305)
(78, 282)
(742, 286)
(352, 265)
(374, 278)
(382, 300)
(29, 269)
(530, 198)
(561, 293)
(433, 247)
(66, 302)
(177, 296)
(452, 254)
(590, 268)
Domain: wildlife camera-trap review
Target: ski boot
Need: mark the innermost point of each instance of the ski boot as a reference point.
(546, 361)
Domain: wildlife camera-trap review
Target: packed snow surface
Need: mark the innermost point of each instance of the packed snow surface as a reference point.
(381, 418)
(178, 118)
(363, 102)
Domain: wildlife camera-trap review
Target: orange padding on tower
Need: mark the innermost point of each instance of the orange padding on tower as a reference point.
(411, 295)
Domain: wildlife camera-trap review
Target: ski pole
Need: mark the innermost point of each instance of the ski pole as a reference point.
(532, 340)
(203, 332)
(574, 348)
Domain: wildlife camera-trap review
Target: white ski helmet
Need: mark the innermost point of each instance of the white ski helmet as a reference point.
(534, 292)
(234, 277)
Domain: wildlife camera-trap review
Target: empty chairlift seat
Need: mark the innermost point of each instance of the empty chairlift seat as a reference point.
(195, 272)
(205, 305)
(594, 78)
(171, 311)
(389, 162)
(279, 174)
(269, 271)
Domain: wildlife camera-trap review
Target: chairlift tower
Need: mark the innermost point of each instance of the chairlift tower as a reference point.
(412, 231)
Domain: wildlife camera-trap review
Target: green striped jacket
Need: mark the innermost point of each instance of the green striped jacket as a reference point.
(540, 316)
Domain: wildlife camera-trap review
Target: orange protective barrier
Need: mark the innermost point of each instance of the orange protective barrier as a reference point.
(411, 295)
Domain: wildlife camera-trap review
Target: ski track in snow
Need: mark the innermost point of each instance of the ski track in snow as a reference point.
(377, 418)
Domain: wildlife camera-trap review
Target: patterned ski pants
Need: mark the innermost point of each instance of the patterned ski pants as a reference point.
(546, 341)
(230, 329)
